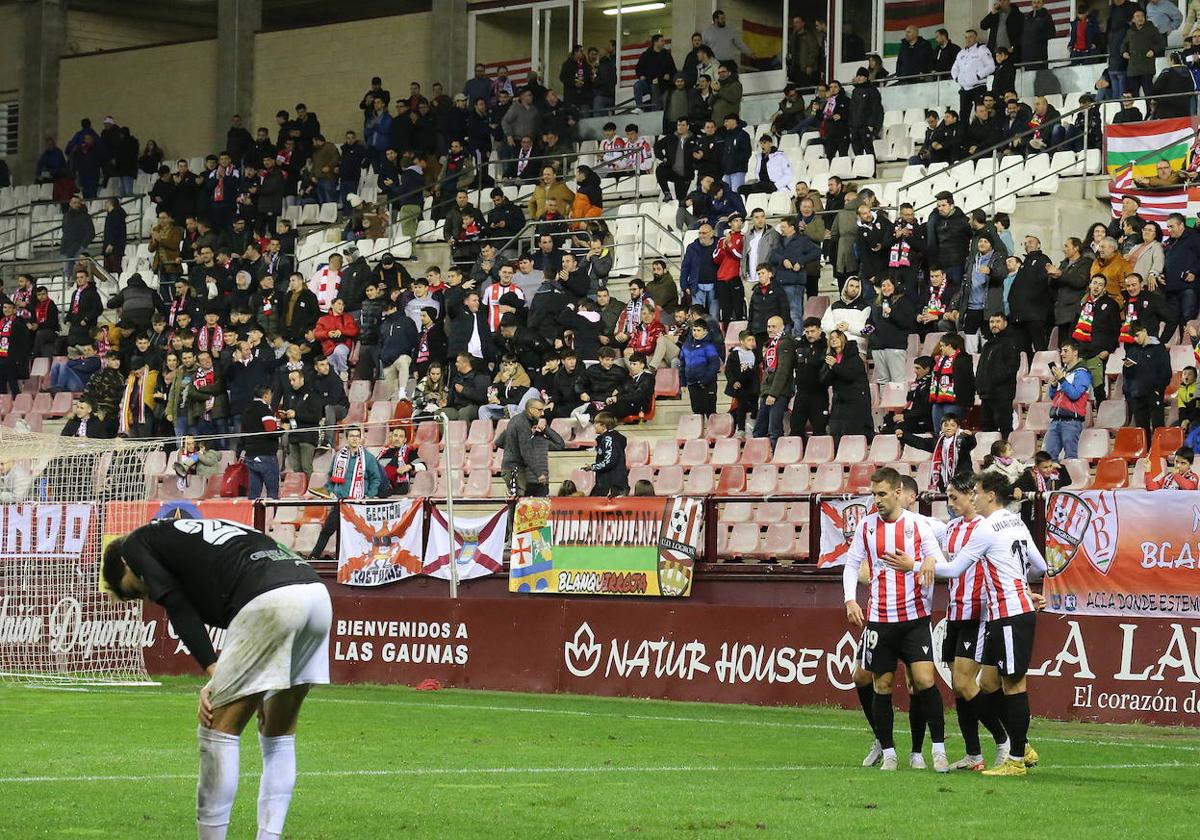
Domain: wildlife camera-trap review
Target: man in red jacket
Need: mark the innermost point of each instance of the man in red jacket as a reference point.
(731, 297)
(336, 331)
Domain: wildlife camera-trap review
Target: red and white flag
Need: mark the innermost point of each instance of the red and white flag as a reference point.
(478, 544)
(839, 521)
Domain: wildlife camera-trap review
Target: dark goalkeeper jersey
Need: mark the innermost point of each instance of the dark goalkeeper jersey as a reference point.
(203, 571)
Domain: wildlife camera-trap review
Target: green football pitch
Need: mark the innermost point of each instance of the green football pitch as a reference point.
(384, 762)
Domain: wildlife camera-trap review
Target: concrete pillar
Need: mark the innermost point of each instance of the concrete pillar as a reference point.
(448, 61)
(687, 16)
(237, 23)
(45, 34)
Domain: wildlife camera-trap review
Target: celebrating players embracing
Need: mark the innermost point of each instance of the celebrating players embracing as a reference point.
(897, 624)
(278, 614)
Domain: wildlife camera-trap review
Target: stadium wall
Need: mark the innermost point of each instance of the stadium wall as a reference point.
(774, 642)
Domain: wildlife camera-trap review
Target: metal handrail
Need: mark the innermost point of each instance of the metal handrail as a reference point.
(33, 237)
(534, 224)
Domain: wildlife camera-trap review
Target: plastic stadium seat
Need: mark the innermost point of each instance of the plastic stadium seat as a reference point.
(360, 391)
(664, 454)
(428, 432)
(479, 457)
(480, 432)
(859, 479)
(1040, 367)
(884, 449)
(457, 432)
(479, 484)
(795, 479)
(734, 512)
(1093, 444)
(767, 513)
(637, 452)
(819, 450)
(1077, 469)
(694, 452)
(1165, 441)
(585, 480)
(700, 481)
(1111, 414)
(788, 450)
(732, 480)
(1129, 444)
(829, 479)
(60, 406)
(726, 452)
(924, 475)
(852, 449)
(689, 426)
(666, 382)
(293, 485)
(732, 332)
(641, 473)
(912, 455)
(565, 428)
(22, 403)
(1111, 474)
(743, 540)
(430, 455)
(763, 480)
(780, 542)
(422, 484)
(757, 451)
(893, 396)
(585, 439)
(719, 426)
(1037, 419)
(1029, 390)
(668, 481)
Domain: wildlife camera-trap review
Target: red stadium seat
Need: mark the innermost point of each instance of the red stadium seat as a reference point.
(428, 432)
(1111, 414)
(665, 453)
(584, 480)
(719, 426)
(795, 479)
(564, 426)
(585, 438)
(859, 479)
(430, 454)
(479, 456)
(666, 383)
(42, 403)
(1111, 474)
(1037, 419)
(732, 332)
(734, 512)
(912, 455)
(457, 432)
(643, 473)
(422, 483)
(293, 486)
(360, 391)
(788, 450)
(669, 481)
(22, 403)
(1077, 469)
(1130, 443)
(743, 541)
(763, 480)
(700, 481)
(694, 452)
(637, 452)
(732, 480)
(924, 475)
(766, 513)
(893, 396)
(690, 426)
(1029, 390)
(819, 450)
(726, 452)
(60, 406)
(480, 432)
(1024, 444)
(780, 542)
(1165, 441)
(479, 484)
(757, 451)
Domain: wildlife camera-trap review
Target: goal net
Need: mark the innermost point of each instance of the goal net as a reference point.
(61, 500)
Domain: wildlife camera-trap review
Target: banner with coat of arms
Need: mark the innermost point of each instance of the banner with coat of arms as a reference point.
(839, 521)
(478, 544)
(380, 543)
(635, 545)
(1123, 553)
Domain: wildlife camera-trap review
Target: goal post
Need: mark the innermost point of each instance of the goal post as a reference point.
(61, 500)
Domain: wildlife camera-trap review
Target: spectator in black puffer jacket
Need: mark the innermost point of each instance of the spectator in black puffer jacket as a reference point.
(1147, 369)
(811, 405)
(767, 300)
(468, 389)
(598, 385)
(136, 304)
(370, 318)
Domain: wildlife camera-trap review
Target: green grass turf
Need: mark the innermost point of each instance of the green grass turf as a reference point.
(383, 762)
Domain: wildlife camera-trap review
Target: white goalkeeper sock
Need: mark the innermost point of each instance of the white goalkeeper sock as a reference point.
(275, 787)
(217, 786)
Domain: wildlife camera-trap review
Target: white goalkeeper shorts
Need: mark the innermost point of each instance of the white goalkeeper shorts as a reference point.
(278, 640)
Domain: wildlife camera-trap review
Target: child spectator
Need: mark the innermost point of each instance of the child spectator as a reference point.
(612, 475)
(951, 451)
(1179, 477)
(741, 381)
(699, 364)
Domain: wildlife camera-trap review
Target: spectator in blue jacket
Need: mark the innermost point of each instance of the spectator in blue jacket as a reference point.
(1182, 269)
(795, 252)
(698, 274)
(699, 364)
(1069, 393)
(378, 131)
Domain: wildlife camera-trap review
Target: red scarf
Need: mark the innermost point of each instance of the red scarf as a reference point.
(1039, 480)
(423, 345)
(21, 299)
(1083, 329)
(76, 296)
(211, 339)
(771, 354)
(205, 379)
(935, 306)
(42, 312)
(7, 325)
(178, 305)
(341, 464)
(945, 460)
(1131, 314)
(942, 389)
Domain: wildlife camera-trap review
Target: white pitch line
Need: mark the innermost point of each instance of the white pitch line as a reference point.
(321, 699)
(495, 771)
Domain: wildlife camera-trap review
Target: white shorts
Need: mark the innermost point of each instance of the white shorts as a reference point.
(278, 640)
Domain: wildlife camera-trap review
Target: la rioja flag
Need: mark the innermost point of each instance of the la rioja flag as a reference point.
(478, 544)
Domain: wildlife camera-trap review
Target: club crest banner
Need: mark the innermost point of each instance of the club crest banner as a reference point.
(839, 521)
(380, 544)
(630, 546)
(478, 544)
(1123, 553)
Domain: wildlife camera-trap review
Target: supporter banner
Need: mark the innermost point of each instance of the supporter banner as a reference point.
(478, 544)
(1126, 553)
(1148, 142)
(839, 520)
(1156, 205)
(634, 545)
(767, 642)
(380, 544)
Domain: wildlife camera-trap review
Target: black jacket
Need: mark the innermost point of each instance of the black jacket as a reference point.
(398, 337)
(1150, 374)
(764, 304)
(943, 57)
(914, 59)
(458, 335)
(949, 237)
(600, 384)
(848, 379)
(309, 412)
(1029, 295)
(866, 108)
(1106, 328)
(1152, 309)
(1015, 26)
(999, 362)
(892, 328)
(257, 439)
(810, 359)
(638, 390)
(475, 388)
(612, 476)
(1004, 78)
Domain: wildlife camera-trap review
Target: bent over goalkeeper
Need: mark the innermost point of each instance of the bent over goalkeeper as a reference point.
(278, 613)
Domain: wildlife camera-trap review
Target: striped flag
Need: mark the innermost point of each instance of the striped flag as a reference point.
(1158, 204)
(1143, 144)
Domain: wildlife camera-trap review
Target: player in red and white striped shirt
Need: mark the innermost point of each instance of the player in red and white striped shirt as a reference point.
(898, 621)
(1001, 547)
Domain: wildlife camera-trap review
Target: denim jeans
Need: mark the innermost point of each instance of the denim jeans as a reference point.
(735, 180)
(706, 295)
(1116, 83)
(1063, 438)
(339, 359)
(127, 185)
(939, 412)
(795, 296)
(769, 422)
(327, 191)
(264, 472)
(62, 378)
